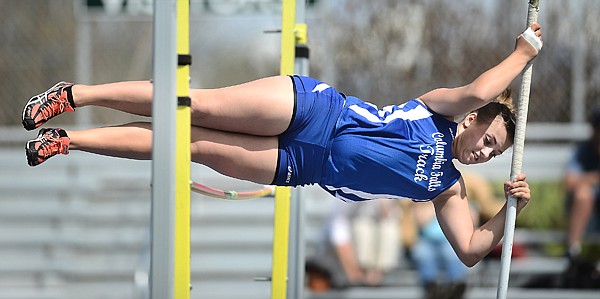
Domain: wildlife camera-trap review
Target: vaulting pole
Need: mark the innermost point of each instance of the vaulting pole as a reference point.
(517, 161)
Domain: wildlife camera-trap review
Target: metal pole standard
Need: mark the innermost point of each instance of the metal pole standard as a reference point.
(296, 259)
(517, 161)
(163, 151)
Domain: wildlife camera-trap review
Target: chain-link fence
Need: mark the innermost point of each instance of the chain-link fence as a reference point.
(382, 51)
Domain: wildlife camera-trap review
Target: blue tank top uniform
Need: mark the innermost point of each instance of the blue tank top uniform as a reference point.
(399, 152)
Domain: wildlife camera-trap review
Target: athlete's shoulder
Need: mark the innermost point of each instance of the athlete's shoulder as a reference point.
(418, 100)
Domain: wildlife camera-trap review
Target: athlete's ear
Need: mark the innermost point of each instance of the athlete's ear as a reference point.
(469, 120)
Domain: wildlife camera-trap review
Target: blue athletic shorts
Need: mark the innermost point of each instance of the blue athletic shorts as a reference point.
(305, 146)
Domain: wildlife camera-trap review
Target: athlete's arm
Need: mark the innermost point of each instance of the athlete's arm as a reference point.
(473, 244)
(485, 88)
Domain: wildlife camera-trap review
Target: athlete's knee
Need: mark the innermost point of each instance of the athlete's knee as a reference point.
(200, 102)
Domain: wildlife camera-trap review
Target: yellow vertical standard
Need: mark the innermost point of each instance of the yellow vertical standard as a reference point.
(288, 39)
(183, 156)
(283, 194)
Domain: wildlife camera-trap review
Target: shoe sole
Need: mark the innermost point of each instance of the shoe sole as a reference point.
(28, 122)
(31, 154)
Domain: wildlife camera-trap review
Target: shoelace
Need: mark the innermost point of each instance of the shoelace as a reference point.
(49, 108)
(50, 147)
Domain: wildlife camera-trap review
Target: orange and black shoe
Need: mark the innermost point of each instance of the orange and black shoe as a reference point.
(48, 143)
(54, 101)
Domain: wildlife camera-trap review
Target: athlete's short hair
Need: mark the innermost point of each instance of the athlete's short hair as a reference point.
(503, 106)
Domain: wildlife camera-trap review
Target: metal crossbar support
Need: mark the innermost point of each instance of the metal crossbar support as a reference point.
(163, 151)
(296, 253)
(171, 157)
(517, 161)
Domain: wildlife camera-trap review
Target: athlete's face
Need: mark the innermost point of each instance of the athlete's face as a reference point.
(479, 142)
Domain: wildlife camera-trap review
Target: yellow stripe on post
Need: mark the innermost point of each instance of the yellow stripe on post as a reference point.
(281, 230)
(281, 223)
(288, 37)
(300, 34)
(182, 281)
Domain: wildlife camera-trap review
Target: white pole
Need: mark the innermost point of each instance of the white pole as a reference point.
(163, 150)
(517, 161)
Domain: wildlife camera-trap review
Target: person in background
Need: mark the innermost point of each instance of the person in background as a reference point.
(582, 181)
(362, 243)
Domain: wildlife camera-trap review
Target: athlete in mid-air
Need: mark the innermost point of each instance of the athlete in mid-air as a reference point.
(294, 131)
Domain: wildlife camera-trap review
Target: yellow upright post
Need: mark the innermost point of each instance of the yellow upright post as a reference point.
(288, 37)
(279, 268)
(183, 156)
(283, 194)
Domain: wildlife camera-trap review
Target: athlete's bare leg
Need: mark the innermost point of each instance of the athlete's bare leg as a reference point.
(581, 212)
(242, 156)
(261, 107)
(134, 97)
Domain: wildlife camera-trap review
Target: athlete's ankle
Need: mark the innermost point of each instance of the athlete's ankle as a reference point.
(77, 93)
(69, 91)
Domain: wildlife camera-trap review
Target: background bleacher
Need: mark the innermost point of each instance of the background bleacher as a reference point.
(79, 225)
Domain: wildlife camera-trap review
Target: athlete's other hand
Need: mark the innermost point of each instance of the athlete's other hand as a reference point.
(519, 189)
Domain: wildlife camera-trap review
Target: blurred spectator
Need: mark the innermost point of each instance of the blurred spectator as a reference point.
(362, 244)
(482, 197)
(582, 180)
